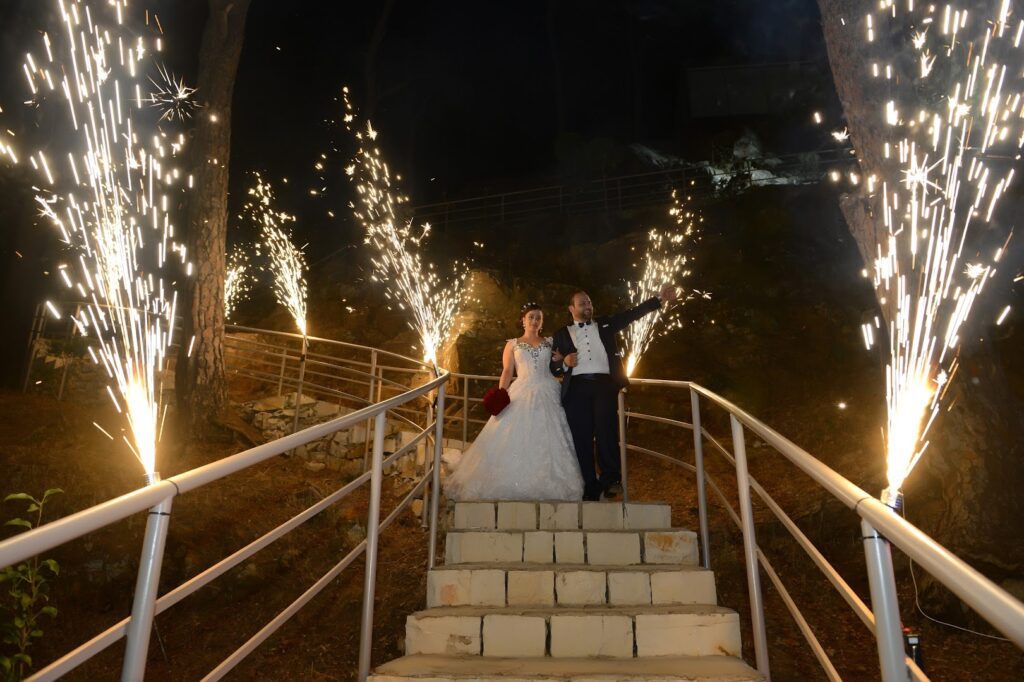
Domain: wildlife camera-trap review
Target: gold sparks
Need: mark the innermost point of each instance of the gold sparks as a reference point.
(665, 262)
(397, 261)
(286, 262)
(108, 198)
(946, 149)
(238, 280)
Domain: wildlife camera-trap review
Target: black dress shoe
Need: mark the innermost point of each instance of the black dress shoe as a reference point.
(592, 498)
(613, 491)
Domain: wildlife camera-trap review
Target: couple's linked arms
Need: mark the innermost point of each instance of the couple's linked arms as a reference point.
(508, 365)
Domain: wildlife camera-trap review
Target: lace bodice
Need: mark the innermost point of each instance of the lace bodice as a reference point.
(532, 362)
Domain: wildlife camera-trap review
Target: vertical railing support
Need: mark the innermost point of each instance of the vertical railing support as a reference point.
(147, 583)
(622, 445)
(68, 359)
(702, 496)
(369, 401)
(372, 536)
(884, 604)
(465, 412)
(38, 323)
(298, 389)
(280, 376)
(435, 482)
(424, 523)
(750, 548)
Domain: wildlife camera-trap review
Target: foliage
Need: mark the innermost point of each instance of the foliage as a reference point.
(26, 595)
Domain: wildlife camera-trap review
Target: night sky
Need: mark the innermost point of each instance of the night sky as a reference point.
(470, 98)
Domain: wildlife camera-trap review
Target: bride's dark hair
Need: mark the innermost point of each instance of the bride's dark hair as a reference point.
(527, 307)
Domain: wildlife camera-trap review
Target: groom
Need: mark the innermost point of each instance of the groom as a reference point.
(592, 376)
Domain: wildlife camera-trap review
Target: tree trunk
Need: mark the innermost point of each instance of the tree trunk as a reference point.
(370, 97)
(200, 382)
(965, 491)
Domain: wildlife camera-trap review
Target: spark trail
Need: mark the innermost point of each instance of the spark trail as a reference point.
(108, 192)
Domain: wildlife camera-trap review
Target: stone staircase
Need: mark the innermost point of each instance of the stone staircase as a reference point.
(569, 591)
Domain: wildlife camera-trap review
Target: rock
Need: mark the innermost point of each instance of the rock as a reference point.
(322, 410)
(417, 508)
(355, 534)
(315, 466)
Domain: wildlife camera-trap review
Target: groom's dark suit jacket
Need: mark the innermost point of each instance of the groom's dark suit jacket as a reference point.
(608, 328)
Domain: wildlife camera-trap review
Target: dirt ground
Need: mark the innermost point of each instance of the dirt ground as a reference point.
(44, 444)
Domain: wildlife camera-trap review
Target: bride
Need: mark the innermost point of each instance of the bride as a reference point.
(526, 451)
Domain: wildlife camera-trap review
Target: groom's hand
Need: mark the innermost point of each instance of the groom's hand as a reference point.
(668, 293)
(571, 360)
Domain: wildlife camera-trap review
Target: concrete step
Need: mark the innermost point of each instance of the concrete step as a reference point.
(569, 585)
(434, 668)
(615, 547)
(603, 631)
(499, 515)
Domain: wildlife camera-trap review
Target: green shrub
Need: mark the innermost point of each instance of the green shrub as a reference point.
(26, 595)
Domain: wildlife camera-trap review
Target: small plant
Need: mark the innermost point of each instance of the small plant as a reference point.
(27, 590)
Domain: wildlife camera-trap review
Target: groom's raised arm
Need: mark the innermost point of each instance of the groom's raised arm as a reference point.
(620, 321)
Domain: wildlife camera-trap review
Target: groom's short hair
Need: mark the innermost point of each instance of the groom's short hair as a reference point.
(572, 297)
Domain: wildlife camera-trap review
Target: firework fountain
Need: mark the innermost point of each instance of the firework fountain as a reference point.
(950, 97)
(108, 195)
(286, 263)
(238, 280)
(953, 132)
(665, 261)
(397, 263)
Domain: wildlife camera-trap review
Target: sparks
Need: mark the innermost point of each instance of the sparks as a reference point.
(665, 261)
(111, 206)
(286, 262)
(945, 148)
(238, 280)
(172, 96)
(397, 261)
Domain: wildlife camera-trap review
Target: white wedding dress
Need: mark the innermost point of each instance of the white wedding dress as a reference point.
(526, 452)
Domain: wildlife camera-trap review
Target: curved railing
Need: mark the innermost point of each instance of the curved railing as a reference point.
(880, 524)
(158, 495)
(354, 374)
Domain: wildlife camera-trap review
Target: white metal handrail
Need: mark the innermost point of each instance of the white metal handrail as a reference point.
(881, 527)
(158, 495)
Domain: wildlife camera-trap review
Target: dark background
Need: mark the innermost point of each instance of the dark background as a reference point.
(471, 98)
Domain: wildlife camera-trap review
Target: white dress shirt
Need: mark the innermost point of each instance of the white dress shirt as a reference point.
(591, 356)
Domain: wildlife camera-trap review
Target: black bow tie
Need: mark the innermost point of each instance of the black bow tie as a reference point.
(583, 324)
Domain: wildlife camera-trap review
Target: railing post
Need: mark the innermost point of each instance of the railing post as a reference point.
(750, 548)
(298, 389)
(372, 536)
(435, 482)
(698, 463)
(147, 583)
(426, 465)
(67, 359)
(622, 445)
(465, 412)
(369, 401)
(38, 322)
(884, 604)
(280, 376)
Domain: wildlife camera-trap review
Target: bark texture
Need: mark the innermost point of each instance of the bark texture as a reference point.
(965, 490)
(200, 380)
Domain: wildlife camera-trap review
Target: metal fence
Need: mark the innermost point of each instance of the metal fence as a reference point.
(246, 351)
(880, 525)
(358, 374)
(626, 191)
